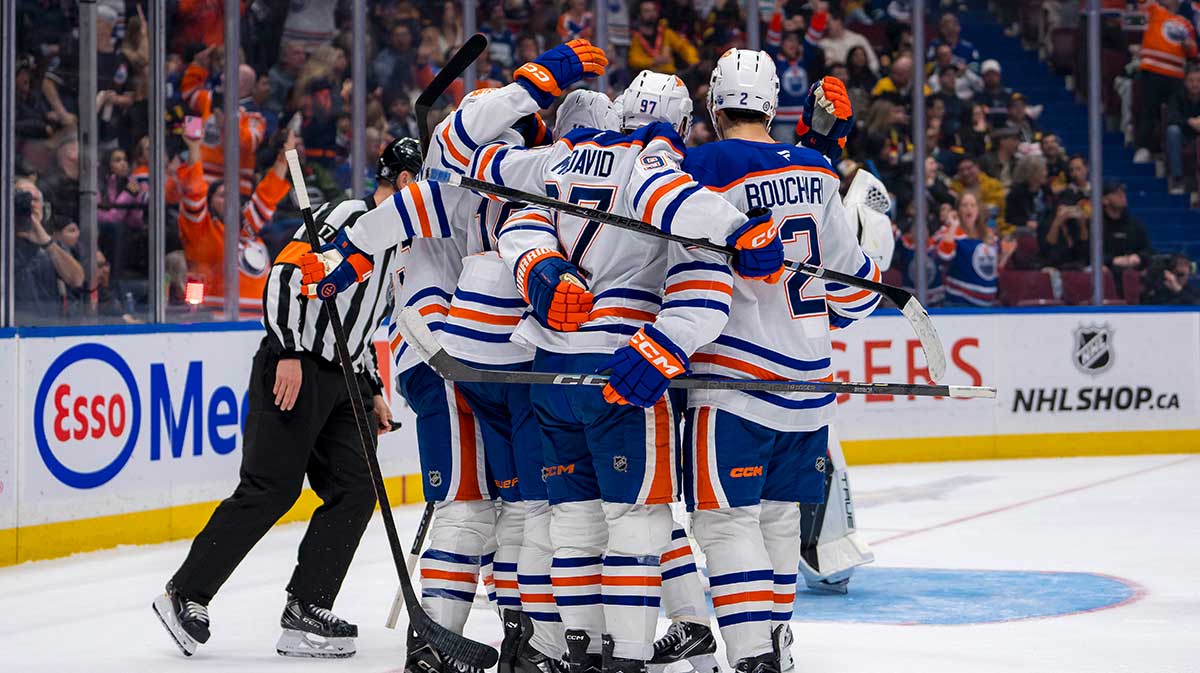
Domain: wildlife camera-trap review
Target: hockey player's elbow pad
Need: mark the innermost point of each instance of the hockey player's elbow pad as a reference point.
(642, 370)
(336, 267)
(759, 250)
(554, 288)
(547, 75)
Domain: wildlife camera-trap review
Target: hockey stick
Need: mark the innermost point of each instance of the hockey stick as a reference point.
(414, 555)
(442, 639)
(421, 339)
(458, 63)
(918, 317)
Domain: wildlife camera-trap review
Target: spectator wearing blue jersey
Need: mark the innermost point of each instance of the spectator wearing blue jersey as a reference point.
(950, 34)
(797, 60)
(971, 254)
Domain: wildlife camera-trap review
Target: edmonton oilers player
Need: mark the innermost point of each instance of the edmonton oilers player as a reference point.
(611, 467)
(751, 456)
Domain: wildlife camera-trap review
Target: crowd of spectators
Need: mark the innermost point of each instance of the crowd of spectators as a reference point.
(995, 178)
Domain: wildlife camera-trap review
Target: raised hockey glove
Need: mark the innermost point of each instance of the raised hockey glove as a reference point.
(760, 252)
(827, 119)
(554, 289)
(641, 371)
(336, 267)
(547, 75)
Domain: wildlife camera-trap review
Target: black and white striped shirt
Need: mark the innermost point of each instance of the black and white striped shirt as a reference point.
(295, 323)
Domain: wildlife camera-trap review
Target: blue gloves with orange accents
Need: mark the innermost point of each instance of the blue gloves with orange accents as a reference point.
(336, 267)
(827, 119)
(554, 288)
(547, 75)
(760, 252)
(642, 370)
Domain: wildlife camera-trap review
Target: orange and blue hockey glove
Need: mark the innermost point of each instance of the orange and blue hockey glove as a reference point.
(546, 76)
(759, 250)
(554, 289)
(336, 267)
(641, 371)
(827, 119)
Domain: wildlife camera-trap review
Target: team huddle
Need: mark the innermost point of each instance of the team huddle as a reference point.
(559, 498)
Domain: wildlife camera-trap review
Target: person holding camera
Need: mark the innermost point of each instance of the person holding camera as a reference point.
(43, 270)
(1166, 281)
(1063, 238)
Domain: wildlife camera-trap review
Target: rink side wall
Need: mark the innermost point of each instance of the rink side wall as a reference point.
(132, 434)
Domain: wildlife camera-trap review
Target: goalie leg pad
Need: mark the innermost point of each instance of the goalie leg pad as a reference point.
(831, 556)
(740, 578)
(632, 593)
(459, 537)
(579, 535)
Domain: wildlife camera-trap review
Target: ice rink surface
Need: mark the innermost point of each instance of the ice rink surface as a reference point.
(966, 553)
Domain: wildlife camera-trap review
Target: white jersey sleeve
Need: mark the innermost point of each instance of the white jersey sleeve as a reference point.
(484, 116)
(696, 299)
(841, 252)
(418, 210)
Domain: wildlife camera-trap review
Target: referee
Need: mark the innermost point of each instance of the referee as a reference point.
(300, 422)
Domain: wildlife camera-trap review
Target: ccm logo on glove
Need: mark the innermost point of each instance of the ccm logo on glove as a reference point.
(666, 363)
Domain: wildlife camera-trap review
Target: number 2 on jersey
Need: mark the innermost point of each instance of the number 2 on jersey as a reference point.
(803, 300)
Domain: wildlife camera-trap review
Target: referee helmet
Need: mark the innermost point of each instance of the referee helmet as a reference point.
(403, 154)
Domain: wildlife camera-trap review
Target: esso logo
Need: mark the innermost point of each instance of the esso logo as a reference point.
(87, 415)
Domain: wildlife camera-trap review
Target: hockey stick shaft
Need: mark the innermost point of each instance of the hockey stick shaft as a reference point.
(421, 339)
(918, 317)
(414, 555)
(454, 68)
(450, 643)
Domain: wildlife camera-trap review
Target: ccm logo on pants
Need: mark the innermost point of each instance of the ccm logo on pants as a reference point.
(753, 471)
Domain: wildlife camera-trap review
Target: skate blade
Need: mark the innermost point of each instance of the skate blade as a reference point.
(839, 588)
(294, 643)
(166, 616)
(700, 663)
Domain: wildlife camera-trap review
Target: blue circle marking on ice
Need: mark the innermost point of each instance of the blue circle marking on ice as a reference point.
(938, 596)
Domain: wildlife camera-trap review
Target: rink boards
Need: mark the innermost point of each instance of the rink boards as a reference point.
(130, 435)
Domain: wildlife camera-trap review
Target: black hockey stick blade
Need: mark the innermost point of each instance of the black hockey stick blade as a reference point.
(443, 640)
(419, 338)
(918, 317)
(453, 69)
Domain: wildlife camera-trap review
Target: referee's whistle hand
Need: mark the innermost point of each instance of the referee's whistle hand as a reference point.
(287, 383)
(383, 416)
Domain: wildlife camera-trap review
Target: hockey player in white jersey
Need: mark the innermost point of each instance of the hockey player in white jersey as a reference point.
(482, 310)
(611, 471)
(750, 457)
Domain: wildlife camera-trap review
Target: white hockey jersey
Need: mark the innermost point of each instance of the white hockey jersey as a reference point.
(461, 285)
(779, 331)
(636, 175)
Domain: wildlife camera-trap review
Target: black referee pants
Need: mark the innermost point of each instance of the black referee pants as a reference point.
(317, 438)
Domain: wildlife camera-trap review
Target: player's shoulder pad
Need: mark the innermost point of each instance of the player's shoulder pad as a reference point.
(661, 131)
(722, 164)
(582, 135)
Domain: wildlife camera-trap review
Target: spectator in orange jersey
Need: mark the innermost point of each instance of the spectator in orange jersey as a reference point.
(1167, 44)
(203, 233)
(252, 127)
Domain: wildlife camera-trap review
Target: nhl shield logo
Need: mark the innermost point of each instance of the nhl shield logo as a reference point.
(1093, 349)
(620, 463)
(820, 463)
(435, 478)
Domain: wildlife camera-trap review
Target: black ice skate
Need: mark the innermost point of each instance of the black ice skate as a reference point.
(421, 657)
(311, 631)
(690, 641)
(781, 641)
(522, 656)
(578, 659)
(763, 663)
(185, 620)
(614, 664)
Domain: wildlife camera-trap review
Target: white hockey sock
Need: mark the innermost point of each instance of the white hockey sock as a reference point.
(578, 536)
(780, 523)
(637, 536)
(682, 593)
(458, 538)
(510, 528)
(740, 578)
(533, 578)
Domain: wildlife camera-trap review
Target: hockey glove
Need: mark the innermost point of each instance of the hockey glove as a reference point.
(547, 75)
(760, 252)
(642, 370)
(554, 289)
(827, 119)
(336, 267)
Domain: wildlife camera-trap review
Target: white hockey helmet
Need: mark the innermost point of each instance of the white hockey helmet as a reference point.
(867, 205)
(583, 108)
(655, 97)
(744, 80)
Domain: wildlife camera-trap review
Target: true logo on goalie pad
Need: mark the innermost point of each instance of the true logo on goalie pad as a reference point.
(435, 478)
(1093, 353)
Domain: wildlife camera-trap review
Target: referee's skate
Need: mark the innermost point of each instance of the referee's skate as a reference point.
(311, 631)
